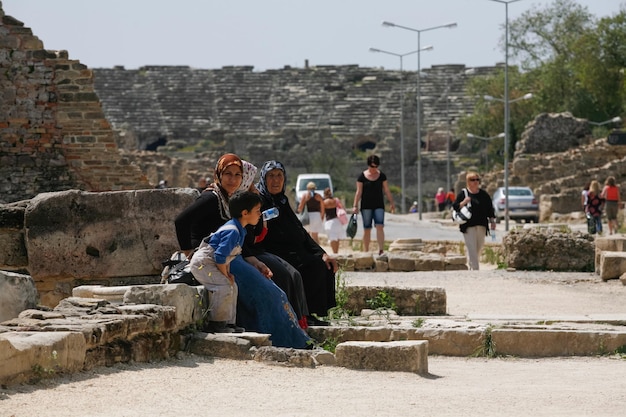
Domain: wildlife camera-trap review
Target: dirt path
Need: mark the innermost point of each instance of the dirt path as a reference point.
(196, 386)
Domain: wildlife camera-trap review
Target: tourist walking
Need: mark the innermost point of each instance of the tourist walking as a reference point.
(595, 205)
(483, 215)
(370, 187)
(315, 206)
(610, 193)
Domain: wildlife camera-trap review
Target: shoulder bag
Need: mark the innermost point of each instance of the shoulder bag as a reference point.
(303, 216)
(464, 213)
(341, 213)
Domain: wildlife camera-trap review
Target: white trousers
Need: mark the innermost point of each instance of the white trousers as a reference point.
(474, 241)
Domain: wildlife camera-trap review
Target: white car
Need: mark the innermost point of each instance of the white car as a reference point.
(523, 204)
(321, 182)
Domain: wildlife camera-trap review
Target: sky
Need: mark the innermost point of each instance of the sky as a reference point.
(272, 34)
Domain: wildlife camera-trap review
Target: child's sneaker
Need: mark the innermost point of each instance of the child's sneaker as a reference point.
(218, 327)
(236, 328)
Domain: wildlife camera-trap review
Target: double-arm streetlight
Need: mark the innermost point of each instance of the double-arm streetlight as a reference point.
(487, 140)
(419, 116)
(506, 108)
(616, 119)
(401, 56)
(507, 103)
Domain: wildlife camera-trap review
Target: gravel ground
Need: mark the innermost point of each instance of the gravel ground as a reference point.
(196, 386)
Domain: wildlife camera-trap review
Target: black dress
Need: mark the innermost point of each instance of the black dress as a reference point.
(288, 239)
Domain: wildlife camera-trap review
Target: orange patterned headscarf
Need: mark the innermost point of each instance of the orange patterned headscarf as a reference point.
(224, 162)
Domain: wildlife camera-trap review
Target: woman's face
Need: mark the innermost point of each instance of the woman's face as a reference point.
(274, 181)
(231, 179)
(473, 183)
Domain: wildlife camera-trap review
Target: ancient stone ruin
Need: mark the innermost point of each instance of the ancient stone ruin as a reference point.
(53, 133)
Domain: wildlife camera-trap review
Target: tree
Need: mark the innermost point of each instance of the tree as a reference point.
(540, 36)
(487, 119)
(572, 61)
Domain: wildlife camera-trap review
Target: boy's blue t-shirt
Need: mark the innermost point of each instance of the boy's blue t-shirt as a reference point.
(225, 239)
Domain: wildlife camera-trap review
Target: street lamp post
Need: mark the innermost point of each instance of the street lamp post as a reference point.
(419, 109)
(507, 103)
(616, 119)
(506, 109)
(487, 140)
(401, 56)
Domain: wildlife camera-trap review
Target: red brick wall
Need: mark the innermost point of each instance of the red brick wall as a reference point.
(53, 133)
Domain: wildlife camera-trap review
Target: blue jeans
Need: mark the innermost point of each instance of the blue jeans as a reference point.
(378, 215)
(598, 220)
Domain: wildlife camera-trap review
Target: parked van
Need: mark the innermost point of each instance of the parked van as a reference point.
(321, 182)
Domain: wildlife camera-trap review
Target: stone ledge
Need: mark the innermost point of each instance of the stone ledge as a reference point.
(404, 356)
(405, 261)
(33, 355)
(409, 301)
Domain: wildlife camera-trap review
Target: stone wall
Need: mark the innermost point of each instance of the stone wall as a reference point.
(53, 133)
(73, 238)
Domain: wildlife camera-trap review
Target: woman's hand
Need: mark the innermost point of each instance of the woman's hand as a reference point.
(262, 268)
(331, 263)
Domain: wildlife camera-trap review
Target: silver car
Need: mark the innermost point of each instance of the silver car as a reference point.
(522, 204)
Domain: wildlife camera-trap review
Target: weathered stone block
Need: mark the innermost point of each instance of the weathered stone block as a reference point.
(363, 261)
(409, 301)
(611, 243)
(221, 345)
(546, 343)
(612, 265)
(27, 356)
(406, 245)
(92, 236)
(17, 293)
(431, 262)
(187, 300)
(407, 356)
(547, 248)
(401, 263)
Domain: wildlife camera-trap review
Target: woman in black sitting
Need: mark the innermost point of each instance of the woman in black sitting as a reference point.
(287, 238)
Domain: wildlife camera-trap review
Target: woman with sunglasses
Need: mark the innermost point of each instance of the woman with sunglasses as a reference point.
(477, 227)
(370, 187)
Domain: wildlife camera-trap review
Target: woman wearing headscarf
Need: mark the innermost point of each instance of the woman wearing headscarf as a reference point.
(261, 305)
(283, 274)
(287, 238)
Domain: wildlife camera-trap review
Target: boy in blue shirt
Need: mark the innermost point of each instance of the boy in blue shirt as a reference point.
(210, 264)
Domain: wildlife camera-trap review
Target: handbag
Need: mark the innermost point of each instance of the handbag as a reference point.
(591, 224)
(176, 270)
(342, 215)
(464, 213)
(303, 216)
(352, 227)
